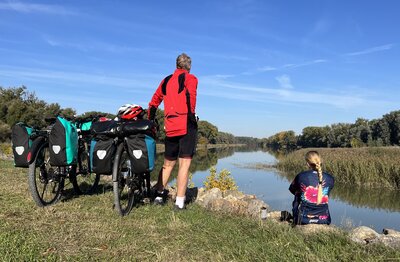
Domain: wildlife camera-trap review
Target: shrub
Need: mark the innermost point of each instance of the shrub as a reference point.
(6, 149)
(224, 181)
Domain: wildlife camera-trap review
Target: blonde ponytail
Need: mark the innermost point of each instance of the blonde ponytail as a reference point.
(314, 161)
(319, 171)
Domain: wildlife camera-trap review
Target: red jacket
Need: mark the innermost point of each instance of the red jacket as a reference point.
(175, 102)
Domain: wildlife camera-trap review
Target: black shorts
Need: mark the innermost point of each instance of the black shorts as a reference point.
(181, 146)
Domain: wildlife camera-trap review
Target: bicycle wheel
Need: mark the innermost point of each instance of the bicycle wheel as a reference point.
(45, 181)
(82, 179)
(124, 185)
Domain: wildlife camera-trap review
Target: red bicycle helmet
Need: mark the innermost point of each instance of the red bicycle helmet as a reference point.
(130, 112)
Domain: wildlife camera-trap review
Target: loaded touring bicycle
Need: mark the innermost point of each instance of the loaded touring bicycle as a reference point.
(133, 141)
(84, 149)
(51, 155)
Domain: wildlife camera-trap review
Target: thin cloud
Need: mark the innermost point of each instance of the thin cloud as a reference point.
(266, 68)
(35, 8)
(271, 68)
(224, 76)
(136, 83)
(372, 50)
(281, 95)
(308, 63)
(284, 81)
(94, 45)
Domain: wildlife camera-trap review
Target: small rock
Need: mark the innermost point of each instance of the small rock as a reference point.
(234, 193)
(201, 192)
(391, 232)
(209, 195)
(254, 207)
(363, 235)
(239, 207)
(312, 229)
(388, 240)
(248, 197)
(219, 205)
(274, 216)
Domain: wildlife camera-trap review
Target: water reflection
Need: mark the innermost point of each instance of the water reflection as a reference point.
(202, 160)
(380, 199)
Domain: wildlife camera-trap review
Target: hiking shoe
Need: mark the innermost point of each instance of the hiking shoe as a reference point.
(178, 209)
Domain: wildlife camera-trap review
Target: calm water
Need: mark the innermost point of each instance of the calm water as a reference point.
(349, 206)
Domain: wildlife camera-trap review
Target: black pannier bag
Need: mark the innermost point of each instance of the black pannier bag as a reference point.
(141, 144)
(102, 151)
(142, 152)
(102, 146)
(21, 143)
(63, 143)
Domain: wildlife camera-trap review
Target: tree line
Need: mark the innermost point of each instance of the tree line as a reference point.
(384, 131)
(17, 104)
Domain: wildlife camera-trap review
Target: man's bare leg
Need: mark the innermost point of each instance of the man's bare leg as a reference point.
(182, 180)
(165, 173)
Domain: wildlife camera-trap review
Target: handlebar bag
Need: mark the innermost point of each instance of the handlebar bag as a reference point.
(102, 152)
(21, 143)
(142, 152)
(63, 143)
(103, 128)
(140, 126)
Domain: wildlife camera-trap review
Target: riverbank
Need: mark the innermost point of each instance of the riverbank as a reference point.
(161, 147)
(86, 228)
(374, 167)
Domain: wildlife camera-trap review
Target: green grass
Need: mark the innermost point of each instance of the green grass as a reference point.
(86, 228)
(376, 167)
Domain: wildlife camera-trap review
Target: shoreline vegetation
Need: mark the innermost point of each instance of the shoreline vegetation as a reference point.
(373, 167)
(86, 228)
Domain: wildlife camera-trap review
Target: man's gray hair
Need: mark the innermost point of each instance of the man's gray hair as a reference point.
(183, 61)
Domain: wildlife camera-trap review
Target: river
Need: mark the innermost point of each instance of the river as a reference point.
(349, 207)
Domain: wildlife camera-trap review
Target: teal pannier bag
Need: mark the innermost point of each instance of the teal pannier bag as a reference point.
(63, 143)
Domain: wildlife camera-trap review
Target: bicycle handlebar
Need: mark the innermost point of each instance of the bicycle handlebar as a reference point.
(89, 118)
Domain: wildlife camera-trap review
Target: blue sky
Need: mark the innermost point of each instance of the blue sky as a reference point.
(263, 66)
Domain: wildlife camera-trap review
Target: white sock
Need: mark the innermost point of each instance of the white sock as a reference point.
(180, 201)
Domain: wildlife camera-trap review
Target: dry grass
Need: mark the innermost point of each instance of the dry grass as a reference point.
(86, 228)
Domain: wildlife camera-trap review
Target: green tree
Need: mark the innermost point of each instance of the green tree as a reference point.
(98, 113)
(208, 131)
(314, 136)
(225, 138)
(339, 135)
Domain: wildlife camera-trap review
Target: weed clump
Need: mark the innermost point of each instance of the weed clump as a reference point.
(223, 180)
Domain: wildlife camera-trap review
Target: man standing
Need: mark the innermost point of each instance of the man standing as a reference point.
(178, 91)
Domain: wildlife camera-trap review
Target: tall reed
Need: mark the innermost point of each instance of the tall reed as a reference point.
(377, 167)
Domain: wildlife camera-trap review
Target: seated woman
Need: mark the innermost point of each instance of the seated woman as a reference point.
(311, 192)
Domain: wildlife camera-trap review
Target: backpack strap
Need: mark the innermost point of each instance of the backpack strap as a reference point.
(181, 81)
(164, 85)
